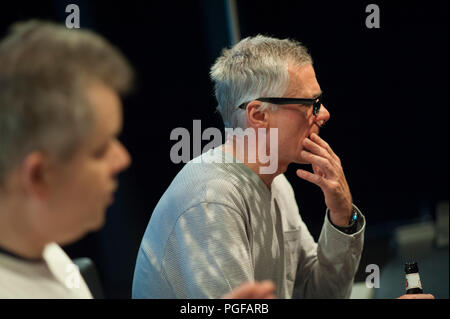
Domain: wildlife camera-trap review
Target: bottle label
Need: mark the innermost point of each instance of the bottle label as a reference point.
(413, 281)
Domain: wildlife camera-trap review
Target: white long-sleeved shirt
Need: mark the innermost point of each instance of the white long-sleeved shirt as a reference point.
(218, 226)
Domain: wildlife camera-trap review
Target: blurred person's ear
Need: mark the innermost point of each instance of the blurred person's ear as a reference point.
(35, 175)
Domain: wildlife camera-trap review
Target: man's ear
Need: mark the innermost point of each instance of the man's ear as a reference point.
(35, 174)
(255, 117)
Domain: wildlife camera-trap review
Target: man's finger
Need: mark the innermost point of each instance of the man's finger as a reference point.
(316, 138)
(317, 170)
(265, 290)
(324, 163)
(316, 149)
(417, 296)
(252, 290)
(241, 292)
(313, 178)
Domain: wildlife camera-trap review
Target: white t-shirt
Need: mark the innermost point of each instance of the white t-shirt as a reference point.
(53, 277)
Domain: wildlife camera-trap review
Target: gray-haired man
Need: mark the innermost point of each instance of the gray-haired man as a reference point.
(221, 223)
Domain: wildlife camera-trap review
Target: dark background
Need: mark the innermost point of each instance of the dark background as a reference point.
(386, 90)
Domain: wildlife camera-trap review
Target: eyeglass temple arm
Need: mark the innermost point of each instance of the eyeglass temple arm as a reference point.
(280, 100)
(288, 100)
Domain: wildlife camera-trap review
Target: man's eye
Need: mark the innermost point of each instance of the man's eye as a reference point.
(101, 151)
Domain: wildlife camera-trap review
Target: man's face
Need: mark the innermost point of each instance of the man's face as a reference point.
(80, 190)
(295, 122)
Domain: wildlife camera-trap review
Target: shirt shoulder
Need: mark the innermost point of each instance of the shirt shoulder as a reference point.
(48, 278)
(229, 184)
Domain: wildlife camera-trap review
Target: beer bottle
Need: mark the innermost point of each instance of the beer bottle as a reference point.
(413, 284)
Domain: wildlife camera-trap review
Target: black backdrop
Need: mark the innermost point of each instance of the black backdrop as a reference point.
(386, 90)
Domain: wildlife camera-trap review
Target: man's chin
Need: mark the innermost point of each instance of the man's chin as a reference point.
(99, 223)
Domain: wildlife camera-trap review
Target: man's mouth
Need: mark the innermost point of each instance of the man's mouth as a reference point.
(111, 199)
(111, 193)
(115, 187)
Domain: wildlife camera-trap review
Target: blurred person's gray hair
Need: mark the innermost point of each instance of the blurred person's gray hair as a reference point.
(255, 67)
(45, 70)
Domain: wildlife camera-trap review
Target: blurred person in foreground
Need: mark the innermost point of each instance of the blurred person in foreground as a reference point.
(60, 117)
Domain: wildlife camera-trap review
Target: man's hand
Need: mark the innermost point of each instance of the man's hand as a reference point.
(253, 290)
(329, 176)
(417, 296)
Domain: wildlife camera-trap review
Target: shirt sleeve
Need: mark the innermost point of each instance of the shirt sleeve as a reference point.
(208, 252)
(327, 268)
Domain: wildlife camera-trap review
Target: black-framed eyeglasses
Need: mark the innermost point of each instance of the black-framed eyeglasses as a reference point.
(316, 102)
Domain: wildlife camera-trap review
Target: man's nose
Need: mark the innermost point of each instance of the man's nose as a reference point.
(323, 115)
(122, 158)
